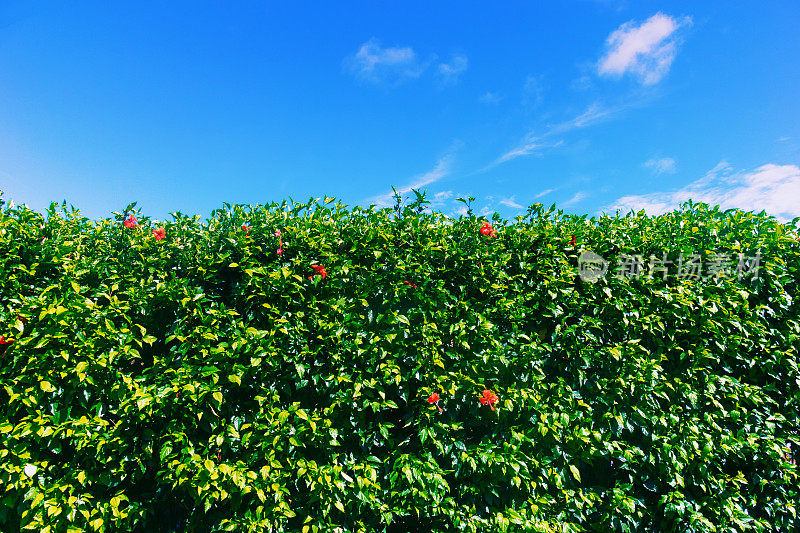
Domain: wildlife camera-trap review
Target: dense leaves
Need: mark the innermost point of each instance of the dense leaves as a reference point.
(309, 367)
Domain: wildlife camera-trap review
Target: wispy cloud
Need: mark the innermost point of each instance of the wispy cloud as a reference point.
(442, 196)
(509, 202)
(438, 172)
(582, 82)
(579, 196)
(646, 50)
(448, 73)
(665, 165)
(439, 199)
(527, 146)
(533, 91)
(375, 64)
(774, 188)
(545, 193)
(491, 97)
(594, 114)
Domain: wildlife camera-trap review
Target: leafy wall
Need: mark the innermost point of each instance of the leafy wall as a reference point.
(394, 370)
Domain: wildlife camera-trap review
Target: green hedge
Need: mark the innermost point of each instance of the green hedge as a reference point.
(203, 382)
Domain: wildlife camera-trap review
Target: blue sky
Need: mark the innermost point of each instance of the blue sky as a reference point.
(593, 105)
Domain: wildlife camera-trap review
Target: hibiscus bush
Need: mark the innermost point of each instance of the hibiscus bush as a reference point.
(311, 367)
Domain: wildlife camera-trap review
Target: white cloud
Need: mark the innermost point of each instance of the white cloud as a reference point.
(491, 98)
(448, 73)
(441, 170)
(510, 203)
(774, 188)
(439, 199)
(594, 114)
(646, 50)
(375, 64)
(665, 165)
(442, 195)
(581, 83)
(544, 193)
(533, 91)
(527, 146)
(575, 199)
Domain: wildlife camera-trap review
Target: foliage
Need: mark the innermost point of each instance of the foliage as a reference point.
(196, 380)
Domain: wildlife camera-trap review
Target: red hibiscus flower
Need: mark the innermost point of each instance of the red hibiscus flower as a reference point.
(434, 399)
(320, 270)
(130, 222)
(245, 228)
(488, 230)
(3, 342)
(489, 398)
(280, 251)
(572, 242)
(410, 284)
(159, 233)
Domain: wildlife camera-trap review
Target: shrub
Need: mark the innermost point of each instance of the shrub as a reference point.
(196, 380)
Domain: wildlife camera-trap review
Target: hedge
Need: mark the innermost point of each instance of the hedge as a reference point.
(314, 367)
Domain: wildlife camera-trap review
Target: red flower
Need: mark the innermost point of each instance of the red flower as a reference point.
(434, 399)
(159, 233)
(489, 398)
(280, 242)
(245, 228)
(280, 251)
(488, 230)
(410, 284)
(572, 242)
(3, 342)
(130, 222)
(320, 270)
